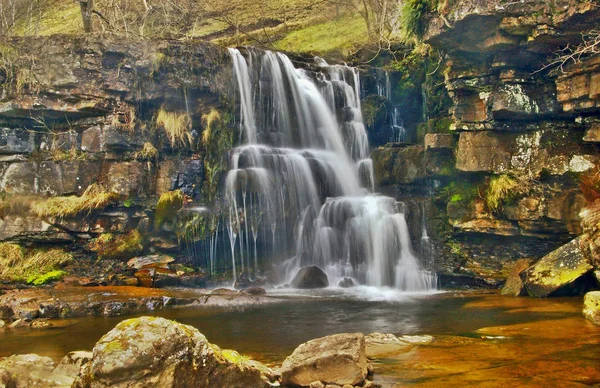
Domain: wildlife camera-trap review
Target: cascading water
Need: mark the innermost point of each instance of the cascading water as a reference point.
(305, 175)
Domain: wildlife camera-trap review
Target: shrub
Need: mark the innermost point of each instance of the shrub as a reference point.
(95, 197)
(167, 207)
(176, 126)
(118, 247)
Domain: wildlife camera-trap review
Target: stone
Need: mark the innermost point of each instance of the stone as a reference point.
(143, 261)
(16, 141)
(346, 283)
(380, 344)
(440, 141)
(72, 363)
(335, 359)
(19, 178)
(310, 277)
(514, 284)
(398, 165)
(254, 291)
(2, 324)
(31, 229)
(129, 178)
(152, 351)
(564, 271)
(31, 370)
(243, 281)
(591, 306)
(223, 291)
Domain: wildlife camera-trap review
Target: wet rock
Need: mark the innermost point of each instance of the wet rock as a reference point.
(564, 271)
(254, 291)
(398, 165)
(335, 359)
(439, 141)
(243, 281)
(514, 283)
(591, 306)
(41, 324)
(16, 141)
(378, 344)
(72, 363)
(143, 261)
(310, 277)
(223, 291)
(150, 351)
(346, 283)
(31, 370)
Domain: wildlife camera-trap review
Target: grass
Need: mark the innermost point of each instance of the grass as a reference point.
(95, 197)
(37, 265)
(208, 120)
(344, 35)
(125, 119)
(73, 154)
(167, 207)
(118, 247)
(59, 18)
(504, 188)
(176, 127)
(148, 152)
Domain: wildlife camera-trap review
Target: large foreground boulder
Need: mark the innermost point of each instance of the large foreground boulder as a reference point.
(564, 271)
(310, 277)
(336, 359)
(152, 352)
(591, 306)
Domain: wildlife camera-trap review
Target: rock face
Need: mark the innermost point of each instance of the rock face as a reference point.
(336, 359)
(310, 277)
(150, 351)
(565, 271)
(591, 306)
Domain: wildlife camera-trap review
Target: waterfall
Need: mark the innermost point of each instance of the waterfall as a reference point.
(304, 172)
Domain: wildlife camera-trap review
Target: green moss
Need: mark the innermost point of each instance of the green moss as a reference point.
(167, 207)
(412, 18)
(217, 139)
(118, 247)
(456, 198)
(39, 279)
(343, 35)
(460, 191)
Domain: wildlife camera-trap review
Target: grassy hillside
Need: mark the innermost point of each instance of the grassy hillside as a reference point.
(322, 27)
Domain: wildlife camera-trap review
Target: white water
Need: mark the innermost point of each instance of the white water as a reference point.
(305, 174)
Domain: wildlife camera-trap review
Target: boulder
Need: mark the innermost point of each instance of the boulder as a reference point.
(336, 359)
(31, 370)
(310, 277)
(346, 283)
(143, 261)
(591, 306)
(564, 271)
(243, 281)
(254, 291)
(514, 283)
(152, 351)
(72, 363)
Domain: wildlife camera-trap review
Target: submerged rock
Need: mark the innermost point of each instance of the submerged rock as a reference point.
(310, 277)
(31, 370)
(150, 351)
(591, 306)
(336, 359)
(564, 271)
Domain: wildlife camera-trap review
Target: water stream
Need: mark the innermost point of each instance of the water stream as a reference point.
(304, 172)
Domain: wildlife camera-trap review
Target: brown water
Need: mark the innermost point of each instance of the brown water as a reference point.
(480, 340)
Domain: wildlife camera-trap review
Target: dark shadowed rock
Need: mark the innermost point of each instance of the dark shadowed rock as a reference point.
(310, 277)
(336, 359)
(152, 352)
(243, 281)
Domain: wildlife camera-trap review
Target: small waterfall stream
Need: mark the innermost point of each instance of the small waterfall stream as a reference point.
(304, 176)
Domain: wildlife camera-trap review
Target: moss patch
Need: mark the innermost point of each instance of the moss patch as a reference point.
(39, 279)
(167, 207)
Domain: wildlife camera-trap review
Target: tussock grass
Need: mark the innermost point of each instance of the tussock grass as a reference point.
(208, 120)
(118, 247)
(167, 207)
(503, 189)
(148, 152)
(19, 264)
(125, 119)
(95, 197)
(176, 126)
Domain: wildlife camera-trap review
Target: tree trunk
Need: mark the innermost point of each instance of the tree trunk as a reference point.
(87, 7)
